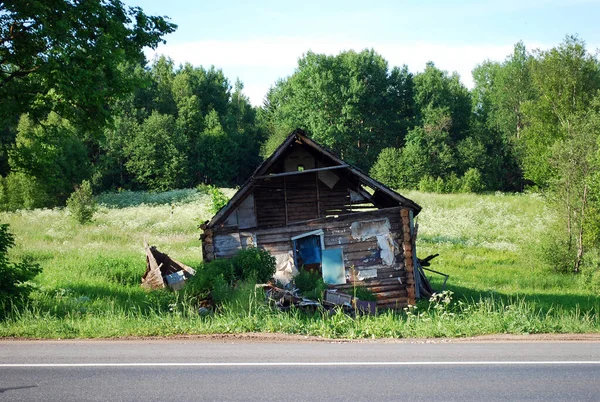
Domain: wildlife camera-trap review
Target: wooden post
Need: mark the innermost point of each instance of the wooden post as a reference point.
(409, 263)
(413, 242)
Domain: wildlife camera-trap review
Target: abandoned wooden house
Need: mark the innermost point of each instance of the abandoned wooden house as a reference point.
(311, 210)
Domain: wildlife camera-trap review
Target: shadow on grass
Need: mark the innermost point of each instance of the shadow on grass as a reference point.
(544, 301)
(79, 298)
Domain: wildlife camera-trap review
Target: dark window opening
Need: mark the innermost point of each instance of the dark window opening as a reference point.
(307, 252)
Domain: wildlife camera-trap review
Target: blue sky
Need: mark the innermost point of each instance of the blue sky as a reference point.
(261, 41)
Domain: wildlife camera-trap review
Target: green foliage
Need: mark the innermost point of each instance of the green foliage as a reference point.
(41, 61)
(214, 278)
(20, 191)
(388, 168)
(254, 264)
(14, 277)
(218, 199)
(53, 154)
(566, 78)
(437, 92)
(310, 284)
(350, 102)
(363, 293)
(217, 278)
(453, 184)
(501, 92)
(572, 192)
(428, 149)
(157, 160)
(472, 181)
(81, 204)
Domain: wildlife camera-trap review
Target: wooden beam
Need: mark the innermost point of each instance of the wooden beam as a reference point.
(318, 201)
(271, 176)
(285, 201)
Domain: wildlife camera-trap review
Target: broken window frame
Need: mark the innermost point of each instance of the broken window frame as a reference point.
(318, 232)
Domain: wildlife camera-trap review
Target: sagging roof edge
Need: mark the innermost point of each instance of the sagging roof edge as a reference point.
(299, 134)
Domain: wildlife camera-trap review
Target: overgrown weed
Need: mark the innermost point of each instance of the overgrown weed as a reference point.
(90, 284)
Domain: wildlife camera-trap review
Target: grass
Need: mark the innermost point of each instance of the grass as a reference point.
(488, 244)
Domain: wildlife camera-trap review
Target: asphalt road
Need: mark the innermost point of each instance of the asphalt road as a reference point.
(298, 371)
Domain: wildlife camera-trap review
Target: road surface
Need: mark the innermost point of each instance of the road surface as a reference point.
(200, 370)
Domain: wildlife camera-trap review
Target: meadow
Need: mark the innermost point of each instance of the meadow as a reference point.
(488, 244)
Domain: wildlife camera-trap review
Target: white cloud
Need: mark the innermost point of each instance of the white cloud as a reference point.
(260, 62)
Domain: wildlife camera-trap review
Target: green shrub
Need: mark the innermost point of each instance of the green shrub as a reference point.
(218, 277)
(255, 264)
(427, 184)
(310, 284)
(440, 186)
(14, 277)
(82, 204)
(363, 293)
(20, 191)
(472, 181)
(218, 199)
(453, 184)
(214, 278)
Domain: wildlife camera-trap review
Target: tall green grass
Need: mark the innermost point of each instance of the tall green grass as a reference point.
(488, 244)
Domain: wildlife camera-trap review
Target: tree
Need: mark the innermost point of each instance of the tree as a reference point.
(436, 89)
(14, 277)
(387, 168)
(428, 150)
(53, 154)
(82, 204)
(499, 97)
(560, 141)
(349, 102)
(110, 171)
(574, 160)
(217, 147)
(156, 154)
(163, 75)
(566, 79)
(64, 55)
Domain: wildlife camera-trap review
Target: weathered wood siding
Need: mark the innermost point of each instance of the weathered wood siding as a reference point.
(355, 213)
(393, 283)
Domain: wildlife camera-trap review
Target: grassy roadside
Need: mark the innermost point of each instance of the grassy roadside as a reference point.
(488, 244)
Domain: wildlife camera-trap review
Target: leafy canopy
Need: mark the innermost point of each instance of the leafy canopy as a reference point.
(64, 55)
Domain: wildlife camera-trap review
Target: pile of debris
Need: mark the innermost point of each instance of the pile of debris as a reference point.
(285, 299)
(163, 271)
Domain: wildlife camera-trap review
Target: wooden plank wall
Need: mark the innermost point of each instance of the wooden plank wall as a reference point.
(269, 197)
(394, 285)
(301, 196)
(390, 282)
(287, 200)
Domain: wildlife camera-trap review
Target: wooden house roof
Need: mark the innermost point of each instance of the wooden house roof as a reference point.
(382, 195)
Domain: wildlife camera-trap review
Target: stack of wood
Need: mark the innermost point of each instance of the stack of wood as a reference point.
(158, 266)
